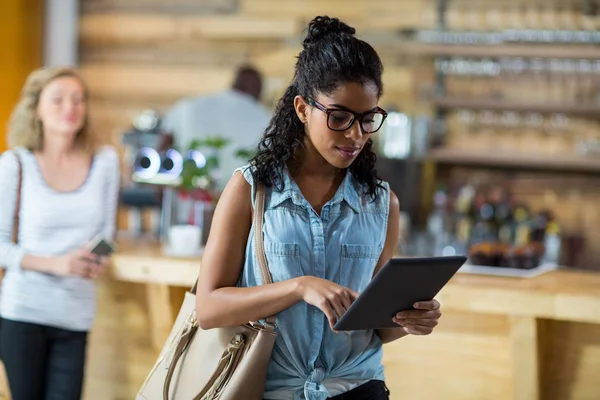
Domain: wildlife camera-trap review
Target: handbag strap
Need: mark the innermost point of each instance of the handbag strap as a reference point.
(15, 231)
(259, 248)
(184, 341)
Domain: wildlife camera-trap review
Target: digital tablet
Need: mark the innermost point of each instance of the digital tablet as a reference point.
(399, 284)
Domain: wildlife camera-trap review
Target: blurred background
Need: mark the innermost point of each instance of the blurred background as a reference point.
(492, 146)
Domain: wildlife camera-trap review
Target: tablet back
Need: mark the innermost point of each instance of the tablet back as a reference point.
(396, 287)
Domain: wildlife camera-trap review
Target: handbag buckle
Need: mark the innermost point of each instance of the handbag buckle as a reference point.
(269, 325)
(191, 319)
(264, 325)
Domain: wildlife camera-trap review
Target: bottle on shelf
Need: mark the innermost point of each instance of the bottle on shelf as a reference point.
(552, 244)
(437, 223)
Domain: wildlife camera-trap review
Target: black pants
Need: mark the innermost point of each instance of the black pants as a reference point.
(372, 390)
(42, 362)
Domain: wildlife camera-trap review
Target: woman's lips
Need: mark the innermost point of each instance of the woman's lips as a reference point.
(348, 152)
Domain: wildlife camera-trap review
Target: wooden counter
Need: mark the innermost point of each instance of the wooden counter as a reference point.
(499, 338)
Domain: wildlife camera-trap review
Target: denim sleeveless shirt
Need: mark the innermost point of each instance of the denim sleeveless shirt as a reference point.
(343, 245)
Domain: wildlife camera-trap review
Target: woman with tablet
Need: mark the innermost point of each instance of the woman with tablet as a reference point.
(59, 191)
(330, 223)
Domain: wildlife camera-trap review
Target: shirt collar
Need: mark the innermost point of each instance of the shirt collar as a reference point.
(348, 192)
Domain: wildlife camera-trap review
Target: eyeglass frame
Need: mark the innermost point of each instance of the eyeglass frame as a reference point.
(357, 116)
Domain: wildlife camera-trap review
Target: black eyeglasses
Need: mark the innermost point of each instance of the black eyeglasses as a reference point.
(341, 120)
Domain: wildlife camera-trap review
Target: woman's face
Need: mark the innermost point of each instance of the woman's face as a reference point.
(338, 148)
(61, 107)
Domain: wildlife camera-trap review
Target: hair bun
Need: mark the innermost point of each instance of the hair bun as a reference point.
(321, 27)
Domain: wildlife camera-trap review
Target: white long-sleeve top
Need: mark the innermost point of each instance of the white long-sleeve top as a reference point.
(53, 223)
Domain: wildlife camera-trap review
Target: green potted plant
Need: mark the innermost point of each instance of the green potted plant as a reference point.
(198, 182)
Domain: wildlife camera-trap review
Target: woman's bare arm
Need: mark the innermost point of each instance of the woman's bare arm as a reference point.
(218, 302)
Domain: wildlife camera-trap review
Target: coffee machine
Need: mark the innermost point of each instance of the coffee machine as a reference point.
(149, 166)
(153, 174)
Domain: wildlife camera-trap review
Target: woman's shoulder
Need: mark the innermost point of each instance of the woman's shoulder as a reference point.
(247, 172)
(10, 159)
(383, 185)
(107, 156)
(107, 152)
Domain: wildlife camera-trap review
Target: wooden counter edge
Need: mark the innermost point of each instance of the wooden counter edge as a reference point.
(525, 297)
(155, 269)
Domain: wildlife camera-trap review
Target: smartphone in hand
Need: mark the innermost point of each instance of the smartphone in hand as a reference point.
(100, 247)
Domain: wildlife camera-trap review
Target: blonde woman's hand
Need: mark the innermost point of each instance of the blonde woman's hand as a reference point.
(77, 263)
(327, 296)
(100, 265)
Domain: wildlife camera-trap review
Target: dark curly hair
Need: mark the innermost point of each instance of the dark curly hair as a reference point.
(332, 56)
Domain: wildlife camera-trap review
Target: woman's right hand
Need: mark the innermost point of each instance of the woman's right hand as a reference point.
(77, 263)
(328, 296)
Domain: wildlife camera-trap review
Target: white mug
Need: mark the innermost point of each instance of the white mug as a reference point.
(184, 239)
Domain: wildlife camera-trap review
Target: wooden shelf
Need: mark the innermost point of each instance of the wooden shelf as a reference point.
(588, 52)
(487, 104)
(531, 162)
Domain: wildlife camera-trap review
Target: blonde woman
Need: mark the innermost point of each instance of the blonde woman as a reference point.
(68, 197)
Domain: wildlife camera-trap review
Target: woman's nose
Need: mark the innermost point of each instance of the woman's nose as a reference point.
(355, 131)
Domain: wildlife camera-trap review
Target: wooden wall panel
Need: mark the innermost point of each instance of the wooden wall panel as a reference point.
(305, 10)
(160, 6)
(115, 28)
(151, 80)
(140, 54)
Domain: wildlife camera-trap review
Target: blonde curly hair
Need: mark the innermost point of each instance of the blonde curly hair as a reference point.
(25, 129)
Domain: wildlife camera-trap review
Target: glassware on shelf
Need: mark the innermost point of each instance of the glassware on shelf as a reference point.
(464, 132)
(532, 132)
(558, 139)
(511, 131)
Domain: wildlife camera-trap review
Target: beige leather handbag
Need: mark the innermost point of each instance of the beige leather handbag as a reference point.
(222, 363)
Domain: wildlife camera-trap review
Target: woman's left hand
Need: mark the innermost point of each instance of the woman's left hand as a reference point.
(98, 267)
(422, 320)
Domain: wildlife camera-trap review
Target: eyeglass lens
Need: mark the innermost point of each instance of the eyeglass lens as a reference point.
(341, 120)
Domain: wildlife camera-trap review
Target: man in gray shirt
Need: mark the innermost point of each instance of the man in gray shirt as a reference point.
(235, 114)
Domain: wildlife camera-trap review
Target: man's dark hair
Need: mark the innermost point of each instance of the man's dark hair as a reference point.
(248, 80)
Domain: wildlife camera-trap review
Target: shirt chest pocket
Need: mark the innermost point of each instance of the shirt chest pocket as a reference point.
(284, 260)
(358, 263)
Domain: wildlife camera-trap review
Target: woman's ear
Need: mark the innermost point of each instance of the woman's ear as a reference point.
(301, 109)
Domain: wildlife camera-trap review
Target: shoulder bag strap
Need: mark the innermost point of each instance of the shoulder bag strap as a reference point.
(15, 231)
(259, 248)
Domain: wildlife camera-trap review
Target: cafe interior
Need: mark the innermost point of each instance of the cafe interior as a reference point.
(492, 145)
